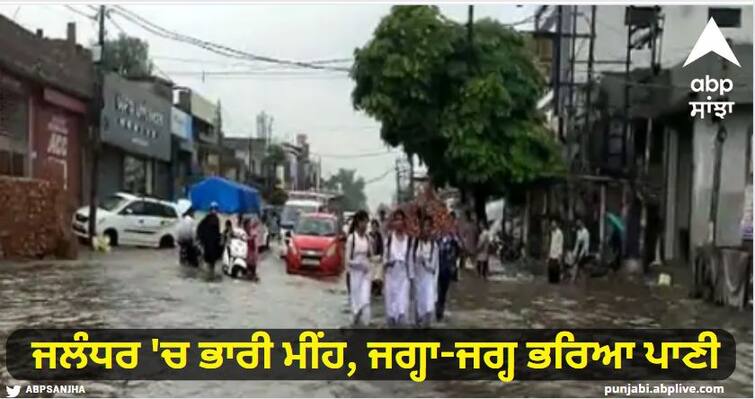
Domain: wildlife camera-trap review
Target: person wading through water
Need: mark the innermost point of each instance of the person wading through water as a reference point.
(358, 252)
(208, 233)
(449, 248)
(396, 282)
(250, 226)
(189, 254)
(556, 253)
(424, 266)
(376, 238)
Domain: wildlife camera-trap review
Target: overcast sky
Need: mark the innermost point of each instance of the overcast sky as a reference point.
(311, 102)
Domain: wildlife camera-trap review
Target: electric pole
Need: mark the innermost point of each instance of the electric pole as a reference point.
(96, 126)
(398, 181)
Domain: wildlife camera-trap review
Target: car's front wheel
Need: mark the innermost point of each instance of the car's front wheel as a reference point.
(112, 236)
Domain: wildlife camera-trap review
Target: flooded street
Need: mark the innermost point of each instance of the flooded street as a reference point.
(131, 288)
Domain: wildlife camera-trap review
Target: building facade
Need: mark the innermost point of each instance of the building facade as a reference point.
(628, 139)
(45, 86)
(136, 136)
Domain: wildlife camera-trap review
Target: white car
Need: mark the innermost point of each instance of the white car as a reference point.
(127, 219)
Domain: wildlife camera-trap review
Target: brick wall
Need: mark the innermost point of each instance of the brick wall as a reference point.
(34, 221)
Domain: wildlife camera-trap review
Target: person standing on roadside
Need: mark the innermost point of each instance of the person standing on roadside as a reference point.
(208, 233)
(449, 249)
(397, 284)
(358, 252)
(556, 253)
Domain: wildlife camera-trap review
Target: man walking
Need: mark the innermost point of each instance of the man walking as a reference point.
(555, 253)
(449, 247)
(581, 248)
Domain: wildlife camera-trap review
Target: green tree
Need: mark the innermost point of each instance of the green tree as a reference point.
(275, 155)
(277, 196)
(351, 186)
(128, 56)
(468, 111)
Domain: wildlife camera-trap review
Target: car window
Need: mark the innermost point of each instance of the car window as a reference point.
(316, 227)
(169, 212)
(112, 202)
(159, 210)
(136, 208)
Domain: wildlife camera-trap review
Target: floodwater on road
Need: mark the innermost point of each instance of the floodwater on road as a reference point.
(141, 288)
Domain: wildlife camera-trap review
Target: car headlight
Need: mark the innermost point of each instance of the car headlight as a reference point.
(331, 250)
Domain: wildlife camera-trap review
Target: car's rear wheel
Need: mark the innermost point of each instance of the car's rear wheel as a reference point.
(112, 236)
(167, 242)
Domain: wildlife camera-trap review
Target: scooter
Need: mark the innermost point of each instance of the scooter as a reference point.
(189, 254)
(235, 255)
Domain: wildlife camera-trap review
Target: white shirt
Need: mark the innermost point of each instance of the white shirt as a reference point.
(557, 244)
(483, 246)
(398, 249)
(186, 229)
(361, 250)
(424, 255)
(583, 243)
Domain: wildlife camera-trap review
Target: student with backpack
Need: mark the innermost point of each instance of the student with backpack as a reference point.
(358, 251)
(424, 266)
(396, 281)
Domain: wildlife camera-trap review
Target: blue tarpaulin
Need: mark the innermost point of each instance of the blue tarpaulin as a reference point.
(231, 197)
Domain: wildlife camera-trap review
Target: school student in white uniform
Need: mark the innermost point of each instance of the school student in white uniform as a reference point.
(424, 263)
(396, 280)
(358, 252)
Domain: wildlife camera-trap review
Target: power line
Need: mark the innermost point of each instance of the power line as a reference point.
(123, 31)
(353, 156)
(255, 72)
(382, 176)
(79, 12)
(213, 47)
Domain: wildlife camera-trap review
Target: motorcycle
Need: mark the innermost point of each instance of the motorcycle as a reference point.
(235, 255)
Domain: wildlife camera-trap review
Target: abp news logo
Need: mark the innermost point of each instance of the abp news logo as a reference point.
(711, 40)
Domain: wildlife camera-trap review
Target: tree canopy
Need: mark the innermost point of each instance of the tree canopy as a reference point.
(351, 186)
(128, 56)
(275, 155)
(468, 111)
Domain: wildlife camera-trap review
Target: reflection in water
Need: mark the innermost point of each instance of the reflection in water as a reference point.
(148, 289)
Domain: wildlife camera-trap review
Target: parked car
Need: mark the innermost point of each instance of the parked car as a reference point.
(127, 219)
(315, 246)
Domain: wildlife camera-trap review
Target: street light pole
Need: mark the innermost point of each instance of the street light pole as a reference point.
(96, 125)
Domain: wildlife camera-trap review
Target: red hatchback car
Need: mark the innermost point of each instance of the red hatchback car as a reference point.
(315, 246)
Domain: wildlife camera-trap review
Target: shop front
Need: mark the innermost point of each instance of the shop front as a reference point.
(136, 137)
(60, 129)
